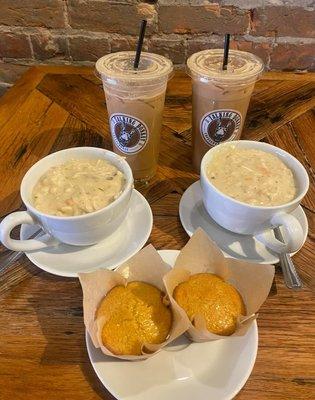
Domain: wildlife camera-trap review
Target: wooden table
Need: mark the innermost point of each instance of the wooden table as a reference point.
(42, 345)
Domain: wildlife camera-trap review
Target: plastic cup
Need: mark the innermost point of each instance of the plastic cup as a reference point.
(220, 97)
(135, 102)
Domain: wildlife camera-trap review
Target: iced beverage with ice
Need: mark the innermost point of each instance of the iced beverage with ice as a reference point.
(135, 102)
(220, 97)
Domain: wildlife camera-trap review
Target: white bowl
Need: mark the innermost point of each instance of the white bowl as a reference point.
(78, 230)
(243, 218)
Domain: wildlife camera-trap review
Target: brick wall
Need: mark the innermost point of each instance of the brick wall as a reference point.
(281, 32)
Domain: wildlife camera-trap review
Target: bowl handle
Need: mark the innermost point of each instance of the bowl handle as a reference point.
(293, 234)
(18, 218)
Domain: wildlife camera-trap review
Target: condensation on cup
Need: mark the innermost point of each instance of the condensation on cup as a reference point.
(135, 102)
(220, 97)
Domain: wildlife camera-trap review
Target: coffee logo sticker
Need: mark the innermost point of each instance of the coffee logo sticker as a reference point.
(219, 126)
(130, 134)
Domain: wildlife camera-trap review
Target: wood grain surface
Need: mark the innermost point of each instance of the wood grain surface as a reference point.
(42, 344)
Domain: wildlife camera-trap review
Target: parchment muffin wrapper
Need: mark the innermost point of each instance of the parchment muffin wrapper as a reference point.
(146, 266)
(252, 280)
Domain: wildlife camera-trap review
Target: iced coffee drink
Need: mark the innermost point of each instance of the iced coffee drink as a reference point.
(135, 102)
(220, 97)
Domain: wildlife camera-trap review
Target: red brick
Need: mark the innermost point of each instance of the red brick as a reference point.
(9, 73)
(87, 48)
(15, 45)
(261, 50)
(289, 57)
(283, 21)
(201, 19)
(46, 46)
(198, 44)
(173, 49)
(107, 17)
(124, 43)
(42, 13)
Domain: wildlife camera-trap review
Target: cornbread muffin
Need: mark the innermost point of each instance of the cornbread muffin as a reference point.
(135, 315)
(213, 298)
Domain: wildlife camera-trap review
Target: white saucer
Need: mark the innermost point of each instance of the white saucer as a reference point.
(183, 370)
(193, 215)
(130, 237)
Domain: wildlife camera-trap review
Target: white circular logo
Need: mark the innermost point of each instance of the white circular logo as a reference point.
(129, 134)
(219, 126)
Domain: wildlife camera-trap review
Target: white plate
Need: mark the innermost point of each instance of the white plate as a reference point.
(193, 215)
(183, 370)
(130, 237)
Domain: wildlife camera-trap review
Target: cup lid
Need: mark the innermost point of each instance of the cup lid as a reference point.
(119, 66)
(242, 66)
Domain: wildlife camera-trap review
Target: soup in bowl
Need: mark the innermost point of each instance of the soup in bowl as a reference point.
(251, 176)
(65, 205)
(249, 187)
(78, 186)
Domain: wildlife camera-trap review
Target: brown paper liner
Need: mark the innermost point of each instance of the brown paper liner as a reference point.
(200, 254)
(146, 266)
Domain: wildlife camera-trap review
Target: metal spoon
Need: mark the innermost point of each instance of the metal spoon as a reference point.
(290, 275)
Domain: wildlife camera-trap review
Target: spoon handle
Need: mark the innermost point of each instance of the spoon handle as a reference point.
(291, 277)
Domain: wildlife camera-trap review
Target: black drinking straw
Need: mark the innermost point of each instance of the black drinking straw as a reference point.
(140, 43)
(226, 51)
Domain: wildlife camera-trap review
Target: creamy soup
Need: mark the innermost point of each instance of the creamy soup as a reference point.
(78, 187)
(251, 176)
